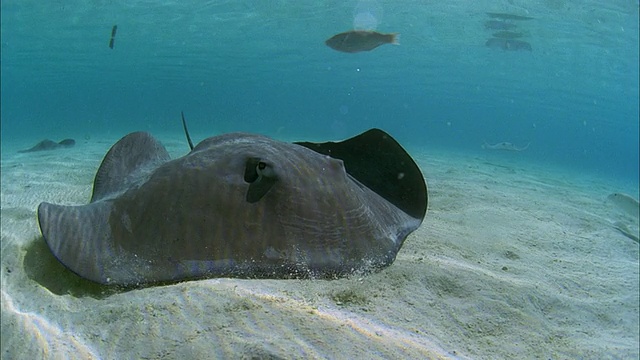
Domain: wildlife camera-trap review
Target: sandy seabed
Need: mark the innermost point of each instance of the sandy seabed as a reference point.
(514, 260)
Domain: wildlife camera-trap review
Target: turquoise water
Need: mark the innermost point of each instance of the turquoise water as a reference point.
(262, 66)
(518, 256)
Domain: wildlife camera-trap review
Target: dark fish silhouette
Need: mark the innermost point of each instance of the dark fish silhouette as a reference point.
(240, 205)
(504, 16)
(498, 25)
(113, 36)
(50, 145)
(508, 44)
(360, 40)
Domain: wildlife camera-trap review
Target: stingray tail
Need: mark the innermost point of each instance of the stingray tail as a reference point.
(186, 132)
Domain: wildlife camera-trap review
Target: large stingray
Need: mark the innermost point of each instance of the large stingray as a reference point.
(240, 205)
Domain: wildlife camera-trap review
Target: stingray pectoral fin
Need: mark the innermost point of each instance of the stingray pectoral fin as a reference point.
(379, 162)
(135, 153)
(80, 238)
(41, 146)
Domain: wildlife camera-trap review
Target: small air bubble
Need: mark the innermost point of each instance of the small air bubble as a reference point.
(400, 176)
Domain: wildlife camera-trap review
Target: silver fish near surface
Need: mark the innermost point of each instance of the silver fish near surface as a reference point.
(360, 40)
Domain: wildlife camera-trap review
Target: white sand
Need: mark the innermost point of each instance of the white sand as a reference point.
(512, 261)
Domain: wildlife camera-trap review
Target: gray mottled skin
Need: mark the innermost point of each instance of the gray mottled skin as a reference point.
(168, 220)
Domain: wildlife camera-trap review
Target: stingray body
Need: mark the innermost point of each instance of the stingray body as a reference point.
(626, 204)
(50, 145)
(504, 146)
(240, 205)
(630, 207)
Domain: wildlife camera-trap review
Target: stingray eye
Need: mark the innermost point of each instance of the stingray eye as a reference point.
(262, 169)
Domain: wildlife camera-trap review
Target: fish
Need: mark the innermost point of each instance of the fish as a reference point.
(240, 205)
(504, 16)
(508, 44)
(507, 35)
(113, 36)
(360, 40)
(504, 146)
(50, 145)
(498, 25)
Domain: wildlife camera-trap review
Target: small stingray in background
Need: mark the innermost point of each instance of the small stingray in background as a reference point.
(508, 44)
(50, 145)
(360, 40)
(504, 16)
(624, 228)
(503, 146)
(630, 207)
(499, 25)
(626, 204)
(507, 35)
(240, 205)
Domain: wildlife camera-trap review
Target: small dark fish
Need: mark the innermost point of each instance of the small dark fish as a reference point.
(498, 25)
(113, 36)
(508, 44)
(504, 16)
(507, 35)
(360, 40)
(50, 145)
